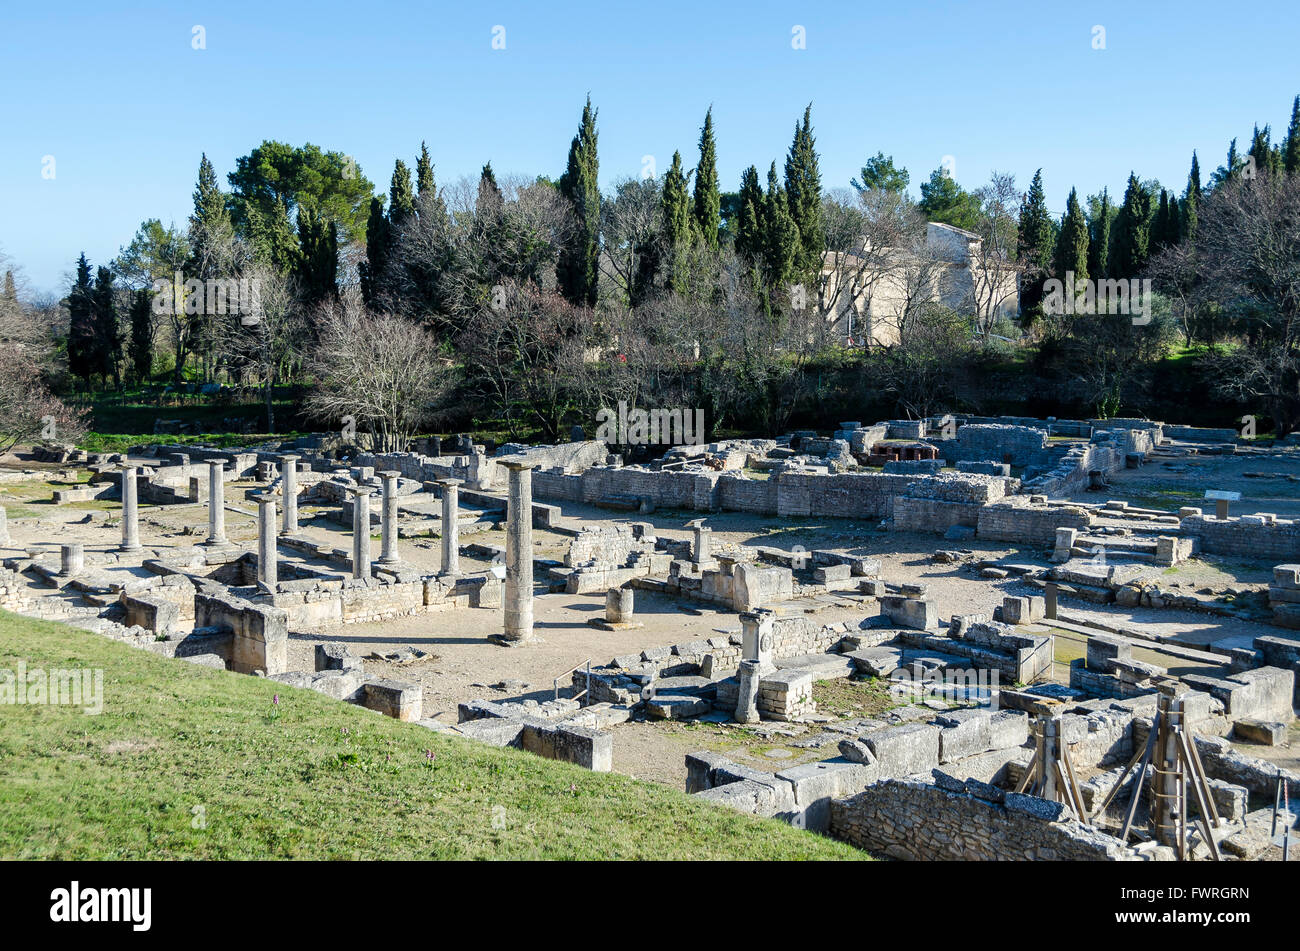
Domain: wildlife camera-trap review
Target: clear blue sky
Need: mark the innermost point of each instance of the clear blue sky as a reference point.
(116, 93)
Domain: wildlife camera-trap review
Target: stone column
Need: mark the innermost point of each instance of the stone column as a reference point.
(756, 638)
(1050, 593)
(4, 527)
(217, 503)
(130, 514)
(389, 515)
(361, 531)
(72, 559)
(700, 549)
(747, 700)
(266, 551)
(519, 554)
(618, 606)
(450, 528)
(289, 482)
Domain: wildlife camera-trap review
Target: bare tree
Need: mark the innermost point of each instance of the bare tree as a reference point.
(382, 370)
(995, 272)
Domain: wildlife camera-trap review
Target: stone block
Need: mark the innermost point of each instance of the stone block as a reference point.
(394, 698)
(905, 750)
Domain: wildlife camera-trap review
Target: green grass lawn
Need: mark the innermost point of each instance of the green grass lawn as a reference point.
(187, 762)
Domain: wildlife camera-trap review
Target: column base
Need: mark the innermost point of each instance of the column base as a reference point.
(501, 640)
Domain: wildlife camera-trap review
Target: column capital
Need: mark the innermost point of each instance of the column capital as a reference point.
(517, 465)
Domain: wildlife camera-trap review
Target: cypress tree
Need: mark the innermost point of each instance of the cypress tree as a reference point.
(490, 202)
(803, 193)
(377, 238)
(1132, 231)
(141, 346)
(107, 346)
(1160, 224)
(11, 290)
(781, 240)
(211, 220)
(272, 236)
(318, 257)
(1291, 147)
(81, 322)
(401, 199)
(1034, 244)
(577, 270)
(424, 172)
(1267, 159)
(749, 223)
(678, 224)
(707, 200)
(1191, 202)
(1099, 237)
(1072, 244)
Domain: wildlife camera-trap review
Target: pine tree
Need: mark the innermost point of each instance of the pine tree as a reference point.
(707, 207)
(424, 172)
(803, 193)
(1132, 231)
(401, 200)
(679, 226)
(577, 270)
(1072, 244)
(749, 220)
(1291, 147)
(1191, 202)
(81, 323)
(140, 316)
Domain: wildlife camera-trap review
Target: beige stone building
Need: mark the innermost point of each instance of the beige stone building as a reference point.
(868, 297)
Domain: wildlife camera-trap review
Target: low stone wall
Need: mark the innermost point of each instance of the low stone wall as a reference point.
(1029, 520)
(919, 819)
(1250, 536)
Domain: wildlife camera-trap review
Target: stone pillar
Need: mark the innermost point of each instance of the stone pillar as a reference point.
(388, 556)
(618, 606)
(756, 638)
(519, 554)
(289, 482)
(72, 559)
(1049, 597)
(266, 551)
(4, 527)
(217, 503)
(1221, 509)
(700, 549)
(747, 701)
(361, 531)
(435, 446)
(450, 528)
(130, 514)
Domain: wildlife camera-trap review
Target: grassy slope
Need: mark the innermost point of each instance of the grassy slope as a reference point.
(322, 779)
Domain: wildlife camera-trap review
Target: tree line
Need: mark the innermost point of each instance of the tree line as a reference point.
(528, 303)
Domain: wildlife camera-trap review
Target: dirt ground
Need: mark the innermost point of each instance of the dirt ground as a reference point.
(460, 664)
